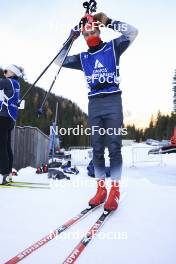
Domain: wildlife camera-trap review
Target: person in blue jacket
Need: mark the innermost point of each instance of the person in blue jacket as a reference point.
(100, 65)
(9, 97)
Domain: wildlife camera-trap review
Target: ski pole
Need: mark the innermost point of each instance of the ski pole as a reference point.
(90, 7)
(39, 77)
(40, 110)
(54, 136)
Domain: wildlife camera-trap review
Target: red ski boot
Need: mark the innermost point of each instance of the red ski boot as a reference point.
(113, 198)
(101, 194)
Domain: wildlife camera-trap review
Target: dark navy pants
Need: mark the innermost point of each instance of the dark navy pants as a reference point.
(6, 155)
(106, 112)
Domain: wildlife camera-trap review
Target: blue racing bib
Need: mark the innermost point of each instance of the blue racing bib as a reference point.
(101, 70)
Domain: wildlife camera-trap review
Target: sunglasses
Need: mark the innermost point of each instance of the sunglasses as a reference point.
(5, 71)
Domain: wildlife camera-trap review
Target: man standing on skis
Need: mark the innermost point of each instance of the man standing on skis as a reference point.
(100, 65)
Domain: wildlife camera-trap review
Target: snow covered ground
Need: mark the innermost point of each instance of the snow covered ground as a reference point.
(141, 231)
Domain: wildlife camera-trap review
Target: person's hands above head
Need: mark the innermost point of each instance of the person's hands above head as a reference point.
(101, 17)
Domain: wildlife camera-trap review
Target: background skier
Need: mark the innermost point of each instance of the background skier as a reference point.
(100, 65)
(9, 97)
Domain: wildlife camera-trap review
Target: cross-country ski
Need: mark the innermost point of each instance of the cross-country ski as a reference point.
(51, 235)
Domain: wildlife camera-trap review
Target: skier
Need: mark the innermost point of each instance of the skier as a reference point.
(100, 65)
(9, 96)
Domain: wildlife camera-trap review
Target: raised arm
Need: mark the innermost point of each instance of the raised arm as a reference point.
(72, 62)
(129, 32)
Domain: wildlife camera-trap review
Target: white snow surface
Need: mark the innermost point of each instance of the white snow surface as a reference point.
(141, 231)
